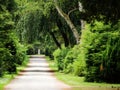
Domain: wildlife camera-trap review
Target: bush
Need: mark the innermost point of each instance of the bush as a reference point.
(70, 58)
(12, 53)
(30, 50)
(59, 56)
(2, 56)
(8, 40)
(7, 61)
(79, 66)
(102, 52)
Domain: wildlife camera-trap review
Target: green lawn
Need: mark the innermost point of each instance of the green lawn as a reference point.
(78, 82)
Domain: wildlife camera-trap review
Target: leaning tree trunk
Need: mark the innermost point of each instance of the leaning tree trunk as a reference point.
(64, 35)
(69, 22)
(82, 21)
(55, 40)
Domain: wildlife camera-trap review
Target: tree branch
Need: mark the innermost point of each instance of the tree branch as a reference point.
(55, 40)
(72, 11)
(68, 20)
(59, 9)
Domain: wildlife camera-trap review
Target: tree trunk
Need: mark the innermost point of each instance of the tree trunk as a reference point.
(66, 40)
(64, 35)
(55, 40)
(82, 21)
(69, 22)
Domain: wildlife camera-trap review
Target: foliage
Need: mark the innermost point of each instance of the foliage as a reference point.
(101, 10)
(70, 58)
(32, 21)
(74, 61)
(7, 48)
(102, 60)
(30, 50)
(12, 54)
(59, 56)
(10, 48)
(79, 66)
(77, 81)
(97, 56)
(38, 25)
(35, 26)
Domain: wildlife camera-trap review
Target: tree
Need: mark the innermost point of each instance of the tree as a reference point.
(33, 26)
(68, 20)
(101, 10)
(100, 44)
(59, 25)
(7, 9)
(11, 53)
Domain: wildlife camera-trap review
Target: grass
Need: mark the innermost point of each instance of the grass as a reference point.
(8, 77)
(78, 82)
(5, 80)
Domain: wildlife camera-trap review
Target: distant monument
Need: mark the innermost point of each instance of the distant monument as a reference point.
(38, 51)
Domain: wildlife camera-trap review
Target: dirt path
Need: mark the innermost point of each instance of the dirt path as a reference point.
(37, 76)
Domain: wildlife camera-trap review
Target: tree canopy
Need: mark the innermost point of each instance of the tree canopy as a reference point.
(81, 36)
(101, 10)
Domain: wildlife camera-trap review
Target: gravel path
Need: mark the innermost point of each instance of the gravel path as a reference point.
(37, 76)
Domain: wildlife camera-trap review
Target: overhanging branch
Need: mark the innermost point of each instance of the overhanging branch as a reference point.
(72, 11)
(68, 20)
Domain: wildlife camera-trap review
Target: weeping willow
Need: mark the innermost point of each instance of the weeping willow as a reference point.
(30, 26)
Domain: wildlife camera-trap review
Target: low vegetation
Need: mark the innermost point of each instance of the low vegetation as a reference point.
(78, 82)
(6, 78)
(96, 58)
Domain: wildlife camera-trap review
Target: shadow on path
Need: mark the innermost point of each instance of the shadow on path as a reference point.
(49, 71)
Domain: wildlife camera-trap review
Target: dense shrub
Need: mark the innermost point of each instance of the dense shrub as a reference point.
(7, 61)
(30, 50)
(70, 58)
(3, 54)
(102, 58)
(9, 44)
(74, 61)
(12, 54)
(59, 56)
(97, 55)
(21, 54)
(79, 66)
